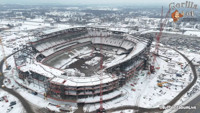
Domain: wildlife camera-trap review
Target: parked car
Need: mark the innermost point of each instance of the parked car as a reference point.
(133, 89)
(5, 98)
(34, 93)
(178, 75)
(9, 109)
(12, 103)
(1, 99)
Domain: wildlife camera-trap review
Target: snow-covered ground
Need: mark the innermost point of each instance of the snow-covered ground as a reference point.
(194, 91)
(69, 57)
(93, 61)
(36, 100)
(143, 90)
(192, 33)
(5, 106)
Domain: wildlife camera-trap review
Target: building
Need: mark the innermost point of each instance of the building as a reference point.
(126, 55)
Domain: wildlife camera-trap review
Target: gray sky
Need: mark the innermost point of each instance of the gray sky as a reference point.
(85, 2)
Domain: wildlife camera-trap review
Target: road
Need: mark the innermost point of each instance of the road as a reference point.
(190, 85)
(23, 101)
(194, 103)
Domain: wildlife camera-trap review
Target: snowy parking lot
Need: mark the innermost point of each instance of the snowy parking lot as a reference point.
(9, 104)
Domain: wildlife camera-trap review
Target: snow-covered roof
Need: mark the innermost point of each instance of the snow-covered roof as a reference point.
(53, 30)
(84, 81)
(59, 29)
(197, 33)
(57, 77)
(41, 69)
(137, 49)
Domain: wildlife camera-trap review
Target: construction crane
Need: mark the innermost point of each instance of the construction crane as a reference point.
(101, 109)
(162, 25)
(161, 84)
(4, 55)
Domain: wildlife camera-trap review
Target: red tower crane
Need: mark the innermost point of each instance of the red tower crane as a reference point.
(158, 36)
(101, 109)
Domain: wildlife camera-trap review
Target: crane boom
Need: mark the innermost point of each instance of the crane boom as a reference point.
(162, 25)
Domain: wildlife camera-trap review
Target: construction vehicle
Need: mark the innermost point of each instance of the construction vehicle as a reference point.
(179, 63)
(178, 75)
(133, 89)
(160, 84)
(5, 98)
(4, 55)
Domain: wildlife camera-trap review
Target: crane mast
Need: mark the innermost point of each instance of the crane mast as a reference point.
(158, 36)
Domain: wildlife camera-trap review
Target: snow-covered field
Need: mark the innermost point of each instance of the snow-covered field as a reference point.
(93, 61)
(5, 106)
(63, 60)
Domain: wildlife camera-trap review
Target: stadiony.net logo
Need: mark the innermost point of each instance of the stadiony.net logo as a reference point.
(187, 10)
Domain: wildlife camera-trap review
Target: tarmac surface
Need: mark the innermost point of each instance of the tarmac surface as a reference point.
(194, 105)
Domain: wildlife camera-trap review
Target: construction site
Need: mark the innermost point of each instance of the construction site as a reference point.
(78, 63)
(96, 69)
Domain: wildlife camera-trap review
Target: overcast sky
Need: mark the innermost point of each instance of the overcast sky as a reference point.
(87, 2)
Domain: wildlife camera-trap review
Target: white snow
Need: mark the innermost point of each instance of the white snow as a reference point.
(41, 69)
(147, 93)
(139, 47)
(125, 111)
(4, 106)
(93, 61)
